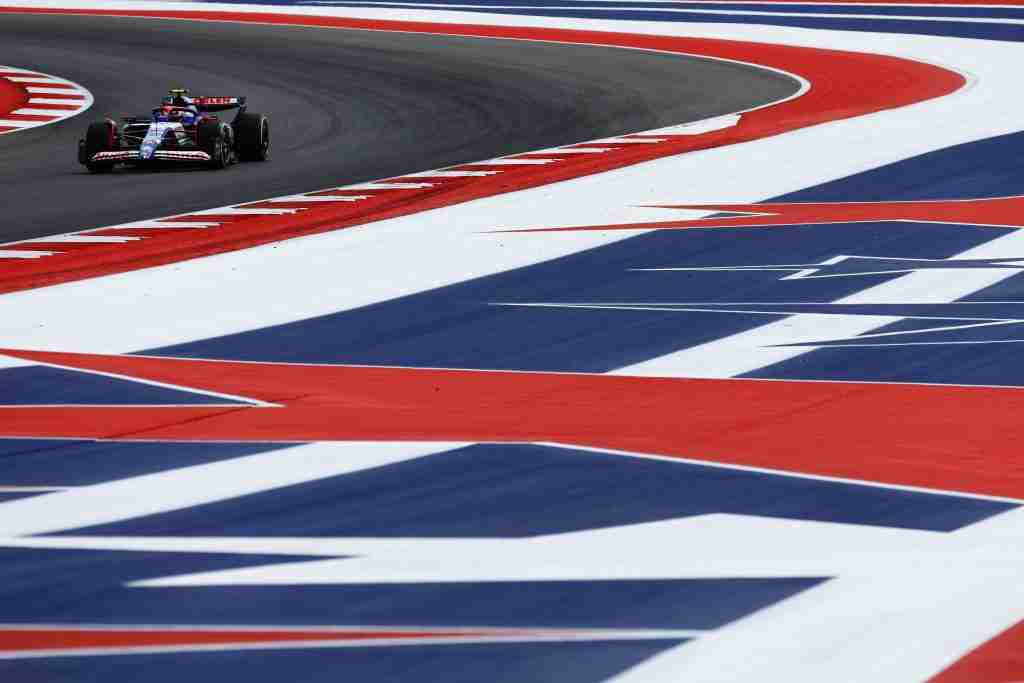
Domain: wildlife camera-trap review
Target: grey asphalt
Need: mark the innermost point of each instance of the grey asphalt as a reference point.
(345, 106)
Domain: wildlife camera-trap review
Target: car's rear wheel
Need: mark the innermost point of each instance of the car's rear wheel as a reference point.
(252, 137)
(215, 140)
(101, 137)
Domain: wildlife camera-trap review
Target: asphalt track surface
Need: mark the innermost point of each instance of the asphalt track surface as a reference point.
(345, 106)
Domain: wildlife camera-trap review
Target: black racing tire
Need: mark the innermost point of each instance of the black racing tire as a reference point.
(215, 140)
(252, 137)
(101, 137)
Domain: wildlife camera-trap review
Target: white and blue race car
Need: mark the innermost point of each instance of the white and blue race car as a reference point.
(183, 129)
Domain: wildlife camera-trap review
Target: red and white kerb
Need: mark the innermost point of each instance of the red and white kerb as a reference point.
(29, 99)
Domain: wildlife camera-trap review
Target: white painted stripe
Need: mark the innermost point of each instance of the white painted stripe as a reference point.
(450, 174)
(232, 211)
(33, 111)
(514, 162)
(156, 224)
(18, 253)
(743, 547)
(200, 484)
(85, 236)
(572, 150)
(54, 100)
(83, 239)
(383, 185)
(701, 127)
(628, 141)
(19, 124)
(746, 546)
(35, 79)
(317, 198)
(43, 90)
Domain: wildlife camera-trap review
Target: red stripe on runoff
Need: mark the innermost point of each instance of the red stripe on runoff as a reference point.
(70, 97)
(951, 438)
(845, 84)
(52, 105)
(47, 84)
(1000, 660)
(1005, 212)
(29, 639)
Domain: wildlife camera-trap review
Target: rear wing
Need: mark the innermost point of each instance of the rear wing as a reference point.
(219, 103)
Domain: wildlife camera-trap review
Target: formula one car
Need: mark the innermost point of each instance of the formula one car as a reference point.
(182, 130)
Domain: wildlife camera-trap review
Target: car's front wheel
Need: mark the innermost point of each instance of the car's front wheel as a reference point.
(101, 137)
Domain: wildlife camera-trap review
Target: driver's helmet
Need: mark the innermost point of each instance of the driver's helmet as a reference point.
(163, 113)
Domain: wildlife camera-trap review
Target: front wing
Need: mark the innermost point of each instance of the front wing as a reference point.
(158, 155)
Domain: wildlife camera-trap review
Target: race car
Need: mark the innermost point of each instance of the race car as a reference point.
(182, 130)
